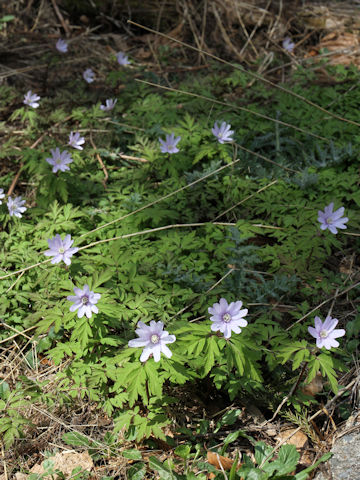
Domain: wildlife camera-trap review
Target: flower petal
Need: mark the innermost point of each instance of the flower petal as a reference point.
(313, 332)
(330, 323)
(241, 314)
(223, 305)
(318, 324)
(137, 342)
(166, 351)
(156, 350)
(339, 332)
(145, 354)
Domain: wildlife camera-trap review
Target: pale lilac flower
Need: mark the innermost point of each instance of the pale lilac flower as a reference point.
(153, 338)
(2, 194)
(169, 144)
(61, 46)
(76, 141)
(324, 332)
(59, 160)
(16, 206)
(84, 300)
(89, 75)
(288, 44)
(110, 104)
(60, 249)
(227, 318)
(332, 220)
(122, 59)
(31, 99)
(223, 133)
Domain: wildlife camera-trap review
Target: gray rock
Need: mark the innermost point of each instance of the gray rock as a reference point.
(345, 463)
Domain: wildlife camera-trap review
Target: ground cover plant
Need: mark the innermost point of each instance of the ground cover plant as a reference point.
(172, 253)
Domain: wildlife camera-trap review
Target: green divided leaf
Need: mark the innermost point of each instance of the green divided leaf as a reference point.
(132, 454)
(76, 439)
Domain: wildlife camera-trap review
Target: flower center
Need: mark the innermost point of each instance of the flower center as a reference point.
(84, 300)
(329, 221)
(323, 334)
(226, 317)
(154, 339)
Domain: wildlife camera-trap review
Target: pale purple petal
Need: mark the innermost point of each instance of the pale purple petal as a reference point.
(31, 99)
(168, 338)
(228, 317)
(57, 259)
(330, 323)
(332, 220)
(122, 59)
(234, 307)
(166, 350)
(110, 104)
(338, 213)
(84, 300)
(67, 241)
(318, 323)
(288, 44)
(223, 305)
(215, 327)
(313, 332)
(145, 353)
(15, 207)
(237, 329)
(156, 351)
(339, 332)
(59, 160)
(137, 342)
(223, 133)
(240, 314)
(153, 338)
(89, 75)
(81, 311)
(59, 249)
(169, 144)
(66, 259)
(324, 332)
(227, 331)
(61, 46)
(75, 140)
(239, 322)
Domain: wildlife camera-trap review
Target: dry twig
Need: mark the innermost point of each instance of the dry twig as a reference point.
(61, 18)
(99, 159)
(250, 73)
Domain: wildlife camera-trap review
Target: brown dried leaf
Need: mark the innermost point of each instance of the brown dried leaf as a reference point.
(299, 439)
(337, 41)
(215, 459)
(314, 387)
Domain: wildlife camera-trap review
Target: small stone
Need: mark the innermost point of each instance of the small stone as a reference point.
(345, 463)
